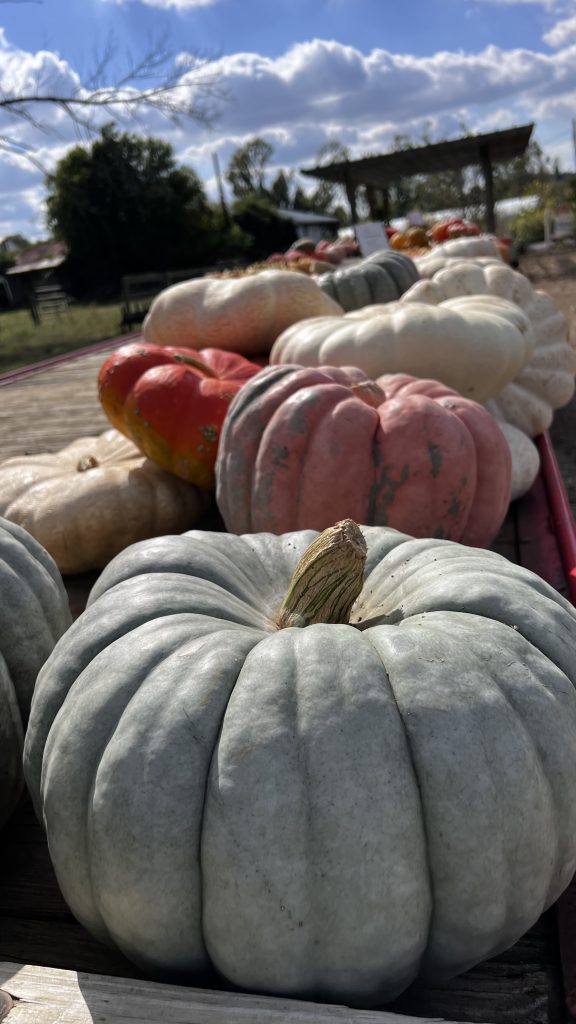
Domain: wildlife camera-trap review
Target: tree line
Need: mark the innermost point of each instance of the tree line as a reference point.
(123, 205)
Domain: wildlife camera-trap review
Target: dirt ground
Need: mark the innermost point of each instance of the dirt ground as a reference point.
(555, 273)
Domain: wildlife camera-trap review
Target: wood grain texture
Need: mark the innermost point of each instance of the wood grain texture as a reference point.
(46, 409)
(42, 995)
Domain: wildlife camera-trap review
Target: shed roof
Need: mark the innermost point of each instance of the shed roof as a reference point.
(387, 168)
(306, 217)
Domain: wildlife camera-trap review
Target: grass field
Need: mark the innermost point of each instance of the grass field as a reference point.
(23, 342)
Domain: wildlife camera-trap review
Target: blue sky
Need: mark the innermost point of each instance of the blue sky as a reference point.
(298, 73)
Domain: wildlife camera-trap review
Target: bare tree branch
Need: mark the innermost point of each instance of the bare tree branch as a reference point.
(149, 82)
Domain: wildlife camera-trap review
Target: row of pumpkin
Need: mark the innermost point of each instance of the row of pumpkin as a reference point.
(415, 409)
(385, 793)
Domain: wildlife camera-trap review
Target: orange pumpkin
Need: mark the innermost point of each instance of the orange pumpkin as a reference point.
(171, 402)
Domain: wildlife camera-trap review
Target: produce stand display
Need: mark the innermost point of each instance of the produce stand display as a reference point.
(54, 970)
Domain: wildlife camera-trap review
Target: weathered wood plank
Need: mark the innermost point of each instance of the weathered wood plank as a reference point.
(43, 996)
(44, 411)
(36, 927)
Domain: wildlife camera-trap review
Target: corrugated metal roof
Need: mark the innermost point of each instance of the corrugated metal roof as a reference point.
(306, 217)
(387, 168)
(25, 268)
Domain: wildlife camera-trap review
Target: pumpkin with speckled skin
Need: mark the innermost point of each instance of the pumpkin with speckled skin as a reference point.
(171, 402)
(35, 614)
(301, 447)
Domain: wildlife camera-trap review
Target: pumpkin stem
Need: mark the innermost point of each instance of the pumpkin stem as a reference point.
(197, 364)
(369, 392)
(327, 579)
(87, 462)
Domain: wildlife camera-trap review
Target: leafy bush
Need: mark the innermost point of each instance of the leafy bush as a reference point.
(528, 227)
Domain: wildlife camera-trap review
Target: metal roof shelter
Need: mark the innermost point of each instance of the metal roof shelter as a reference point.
(380, 172)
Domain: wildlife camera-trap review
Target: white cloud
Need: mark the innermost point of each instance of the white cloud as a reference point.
(317, 91)
(561, 33)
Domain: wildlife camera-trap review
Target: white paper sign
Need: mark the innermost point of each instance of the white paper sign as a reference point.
(371, 237)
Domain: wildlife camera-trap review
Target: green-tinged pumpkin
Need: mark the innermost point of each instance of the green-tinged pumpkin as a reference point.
(303, 446)
(382, 277)
(171, 402)
(91, 499)
(35, 614)
(329, 812)
(244, 314)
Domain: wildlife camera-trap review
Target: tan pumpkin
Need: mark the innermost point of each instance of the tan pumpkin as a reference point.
(94, 498)
(243, 314)
(546, 382)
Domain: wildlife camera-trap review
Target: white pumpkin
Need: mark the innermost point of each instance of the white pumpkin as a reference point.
(525, 459)
(472, 346)
(546, 382)
(93, 498)
(243, 314)
(480, 247)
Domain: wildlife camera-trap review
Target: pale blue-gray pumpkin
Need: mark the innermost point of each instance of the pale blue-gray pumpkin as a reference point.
(35, 613)
(382, 277)
(331, 811)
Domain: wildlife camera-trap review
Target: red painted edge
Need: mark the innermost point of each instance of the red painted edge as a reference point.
(65, 357)
(560, 511)
(564, 527)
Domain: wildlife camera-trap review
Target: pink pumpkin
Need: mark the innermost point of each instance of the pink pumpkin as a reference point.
(303, 447)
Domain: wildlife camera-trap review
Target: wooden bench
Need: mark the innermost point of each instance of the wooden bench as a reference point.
(138, 290)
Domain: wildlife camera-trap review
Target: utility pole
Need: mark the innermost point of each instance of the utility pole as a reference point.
(574, 139)
(218, 175)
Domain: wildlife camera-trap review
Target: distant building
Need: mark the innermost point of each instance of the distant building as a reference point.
(35, 266)
(316, 226)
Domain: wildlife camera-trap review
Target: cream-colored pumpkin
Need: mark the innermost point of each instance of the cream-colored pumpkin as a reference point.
(244, 314)
(479, 247)
(547, 381)
(472, 346)
(92, 499)
(525, 459)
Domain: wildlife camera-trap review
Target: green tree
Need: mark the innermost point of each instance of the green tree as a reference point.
(282, 190)
(246, 170)
(123, 206)
(256, 216)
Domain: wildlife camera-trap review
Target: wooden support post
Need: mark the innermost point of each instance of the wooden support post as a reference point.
(486, 164)
(372, 201)
(351, 195)
(385, 205)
